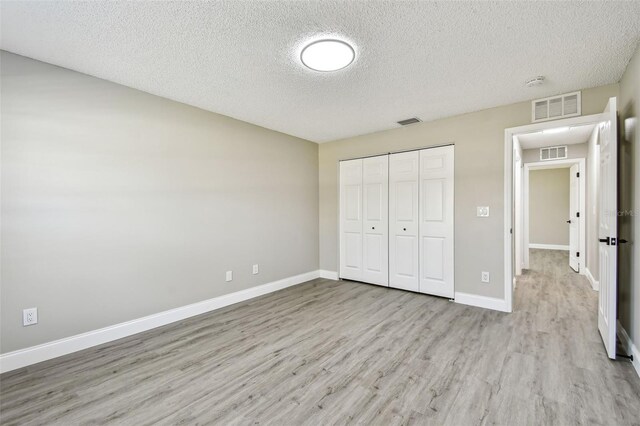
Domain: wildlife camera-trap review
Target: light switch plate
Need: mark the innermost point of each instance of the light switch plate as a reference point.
(482, 211)
(229, 276)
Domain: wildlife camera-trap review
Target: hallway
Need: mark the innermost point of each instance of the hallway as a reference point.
(556, 331)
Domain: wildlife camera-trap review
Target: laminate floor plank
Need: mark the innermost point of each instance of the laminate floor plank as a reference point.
(338, 352)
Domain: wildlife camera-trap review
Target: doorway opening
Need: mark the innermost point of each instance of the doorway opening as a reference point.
(573, 163)
(554, 210)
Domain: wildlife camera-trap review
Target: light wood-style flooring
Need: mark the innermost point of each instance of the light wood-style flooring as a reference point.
(329, 352)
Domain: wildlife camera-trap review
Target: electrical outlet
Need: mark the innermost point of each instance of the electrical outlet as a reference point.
(485, 277)
(229, 276)
(255, 269)
(482, 211)
(29, 316)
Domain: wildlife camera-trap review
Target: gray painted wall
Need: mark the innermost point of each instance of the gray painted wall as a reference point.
(479, 181)
(117, 204)
(549, 206)
(629, 225)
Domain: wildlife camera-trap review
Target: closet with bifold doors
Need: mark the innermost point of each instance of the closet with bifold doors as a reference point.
(396, 220)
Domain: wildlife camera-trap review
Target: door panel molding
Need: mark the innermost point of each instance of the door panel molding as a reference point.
(403, 220)
(375, 225)
(437, 221)
(351, 219)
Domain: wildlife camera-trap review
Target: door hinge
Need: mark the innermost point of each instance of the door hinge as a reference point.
(578, 174)
(578, 214)
(578, 254)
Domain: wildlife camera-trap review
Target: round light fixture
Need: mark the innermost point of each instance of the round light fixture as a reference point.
(327, 55)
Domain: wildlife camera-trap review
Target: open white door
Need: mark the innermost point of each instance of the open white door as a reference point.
(608, 228)
(574, 218)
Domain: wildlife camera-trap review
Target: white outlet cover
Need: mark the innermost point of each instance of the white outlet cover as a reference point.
(485, 277)
(229, 276)
(30, 316)
(482, 211)
(255, 269)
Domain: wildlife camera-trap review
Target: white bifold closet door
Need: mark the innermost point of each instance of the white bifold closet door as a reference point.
(396, 220)
(436, 221)
(364, 223)
(375, 202)
(403, 220)
(351, 219)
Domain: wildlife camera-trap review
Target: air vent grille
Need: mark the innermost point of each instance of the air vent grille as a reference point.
(408, 121)
(553, 153)
(562, 106)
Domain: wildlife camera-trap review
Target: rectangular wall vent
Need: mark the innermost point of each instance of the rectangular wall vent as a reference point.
(408, 121)
(553, 153)
(562, 106)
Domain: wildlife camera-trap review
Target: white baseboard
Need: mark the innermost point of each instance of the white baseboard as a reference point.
(594, 283)
(629, 347)
(330, 275)
(23, 357)
(548, 247)
(481, 301)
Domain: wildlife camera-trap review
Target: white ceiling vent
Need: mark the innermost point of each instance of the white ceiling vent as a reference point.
(562, 106)
(553, 153)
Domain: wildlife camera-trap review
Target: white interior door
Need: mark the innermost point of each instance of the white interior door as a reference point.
(375, 220)
(436, 221)
(403, 220)
(351, 219)
(574, 218)
(608, 228)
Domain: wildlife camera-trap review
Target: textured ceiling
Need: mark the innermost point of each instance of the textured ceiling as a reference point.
(240, 58)
(573, 136)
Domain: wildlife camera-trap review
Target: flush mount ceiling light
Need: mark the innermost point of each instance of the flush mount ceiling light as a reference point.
(327, 55)
(535, 81)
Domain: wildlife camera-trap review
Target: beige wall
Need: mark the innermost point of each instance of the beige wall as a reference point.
(549, 206)
(629, 223)
(117, 204)
(479, 181)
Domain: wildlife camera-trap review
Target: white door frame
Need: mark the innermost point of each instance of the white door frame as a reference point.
(557, 164)
(518, 175)
(509, 133)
